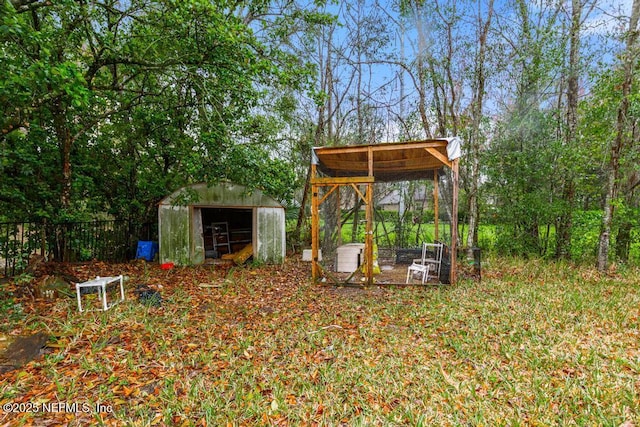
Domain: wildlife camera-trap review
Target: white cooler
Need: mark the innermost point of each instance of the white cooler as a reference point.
(349, 257)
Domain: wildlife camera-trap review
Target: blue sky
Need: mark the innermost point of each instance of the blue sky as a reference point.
(602, 27)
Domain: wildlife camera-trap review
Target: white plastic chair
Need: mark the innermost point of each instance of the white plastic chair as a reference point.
(429, 263)
(422, 269)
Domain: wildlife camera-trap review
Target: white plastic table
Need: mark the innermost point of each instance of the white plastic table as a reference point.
(101, 283)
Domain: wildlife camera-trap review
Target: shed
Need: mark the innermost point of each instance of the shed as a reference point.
(203, 221)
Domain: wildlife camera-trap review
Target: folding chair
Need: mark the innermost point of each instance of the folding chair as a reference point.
(429, 264)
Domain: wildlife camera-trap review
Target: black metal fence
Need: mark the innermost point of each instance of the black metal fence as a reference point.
(112, 240)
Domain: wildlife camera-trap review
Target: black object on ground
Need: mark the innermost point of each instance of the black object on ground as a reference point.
(407, 255)
(445, 266)
(148, 296)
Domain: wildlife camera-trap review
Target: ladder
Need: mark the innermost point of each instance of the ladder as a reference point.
(221, 235)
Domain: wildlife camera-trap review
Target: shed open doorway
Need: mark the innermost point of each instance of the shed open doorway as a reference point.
(225, 230)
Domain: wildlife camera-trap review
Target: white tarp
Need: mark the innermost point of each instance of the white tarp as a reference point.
(454, 148)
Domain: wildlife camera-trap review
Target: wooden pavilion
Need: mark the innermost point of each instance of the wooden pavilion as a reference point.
(363, 165)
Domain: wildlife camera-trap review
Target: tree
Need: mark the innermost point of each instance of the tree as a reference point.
(570, 160)
(159, 88)
(525, 146)
(476, 137)
(623, 135)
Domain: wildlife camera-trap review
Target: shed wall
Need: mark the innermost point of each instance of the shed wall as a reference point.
(271, 236)
(174, 234)
(197, 239)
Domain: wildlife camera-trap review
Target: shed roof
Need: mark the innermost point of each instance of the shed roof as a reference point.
(221, 194)
(397, 161)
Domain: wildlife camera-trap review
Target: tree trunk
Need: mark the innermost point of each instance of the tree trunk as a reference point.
(607, 217)
(303, 205)
(63, 134)
(618, 144)
(475, 143)
(324, 134)
(422, 74)
(64, 140)
(564, 225)
(532, 238)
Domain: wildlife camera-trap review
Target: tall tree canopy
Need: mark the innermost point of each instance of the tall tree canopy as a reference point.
(116, 103)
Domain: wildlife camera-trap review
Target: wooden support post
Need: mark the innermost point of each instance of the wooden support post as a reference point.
(436, 212)
(368, 244)
(454, 221)
(339, 217)
(314, 225)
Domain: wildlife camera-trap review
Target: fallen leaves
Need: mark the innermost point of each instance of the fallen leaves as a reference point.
(251, 346)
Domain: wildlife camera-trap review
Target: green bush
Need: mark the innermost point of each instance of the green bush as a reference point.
(508, 243)
(428, 217)
(634, 250)
(585, 235)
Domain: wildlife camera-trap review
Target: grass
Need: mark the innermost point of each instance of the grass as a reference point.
(491, 238)
(534, 343)
(415, 234)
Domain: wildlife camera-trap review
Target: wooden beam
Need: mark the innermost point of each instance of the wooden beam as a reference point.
(438, 155)
(368, 241)
(415, 145)
(331, 180)
(338, 216)
(398, 165)
(359, 193)
(410, 145)
(327, 194)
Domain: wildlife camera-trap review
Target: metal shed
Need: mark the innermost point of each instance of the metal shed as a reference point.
(202, 221)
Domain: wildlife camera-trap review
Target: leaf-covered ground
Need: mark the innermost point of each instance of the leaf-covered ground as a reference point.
(532, 344)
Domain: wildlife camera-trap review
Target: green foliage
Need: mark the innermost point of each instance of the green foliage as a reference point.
(26, 173)
(143, 98)
(254, 166)
(520, 166)
(387, 216)
(10, 308)
(414, 217)
(586, 232)
(599, 130)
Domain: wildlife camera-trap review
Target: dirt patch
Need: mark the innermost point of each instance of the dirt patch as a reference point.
(21, 350)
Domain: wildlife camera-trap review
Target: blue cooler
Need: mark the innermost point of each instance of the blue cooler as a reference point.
(147, 250)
